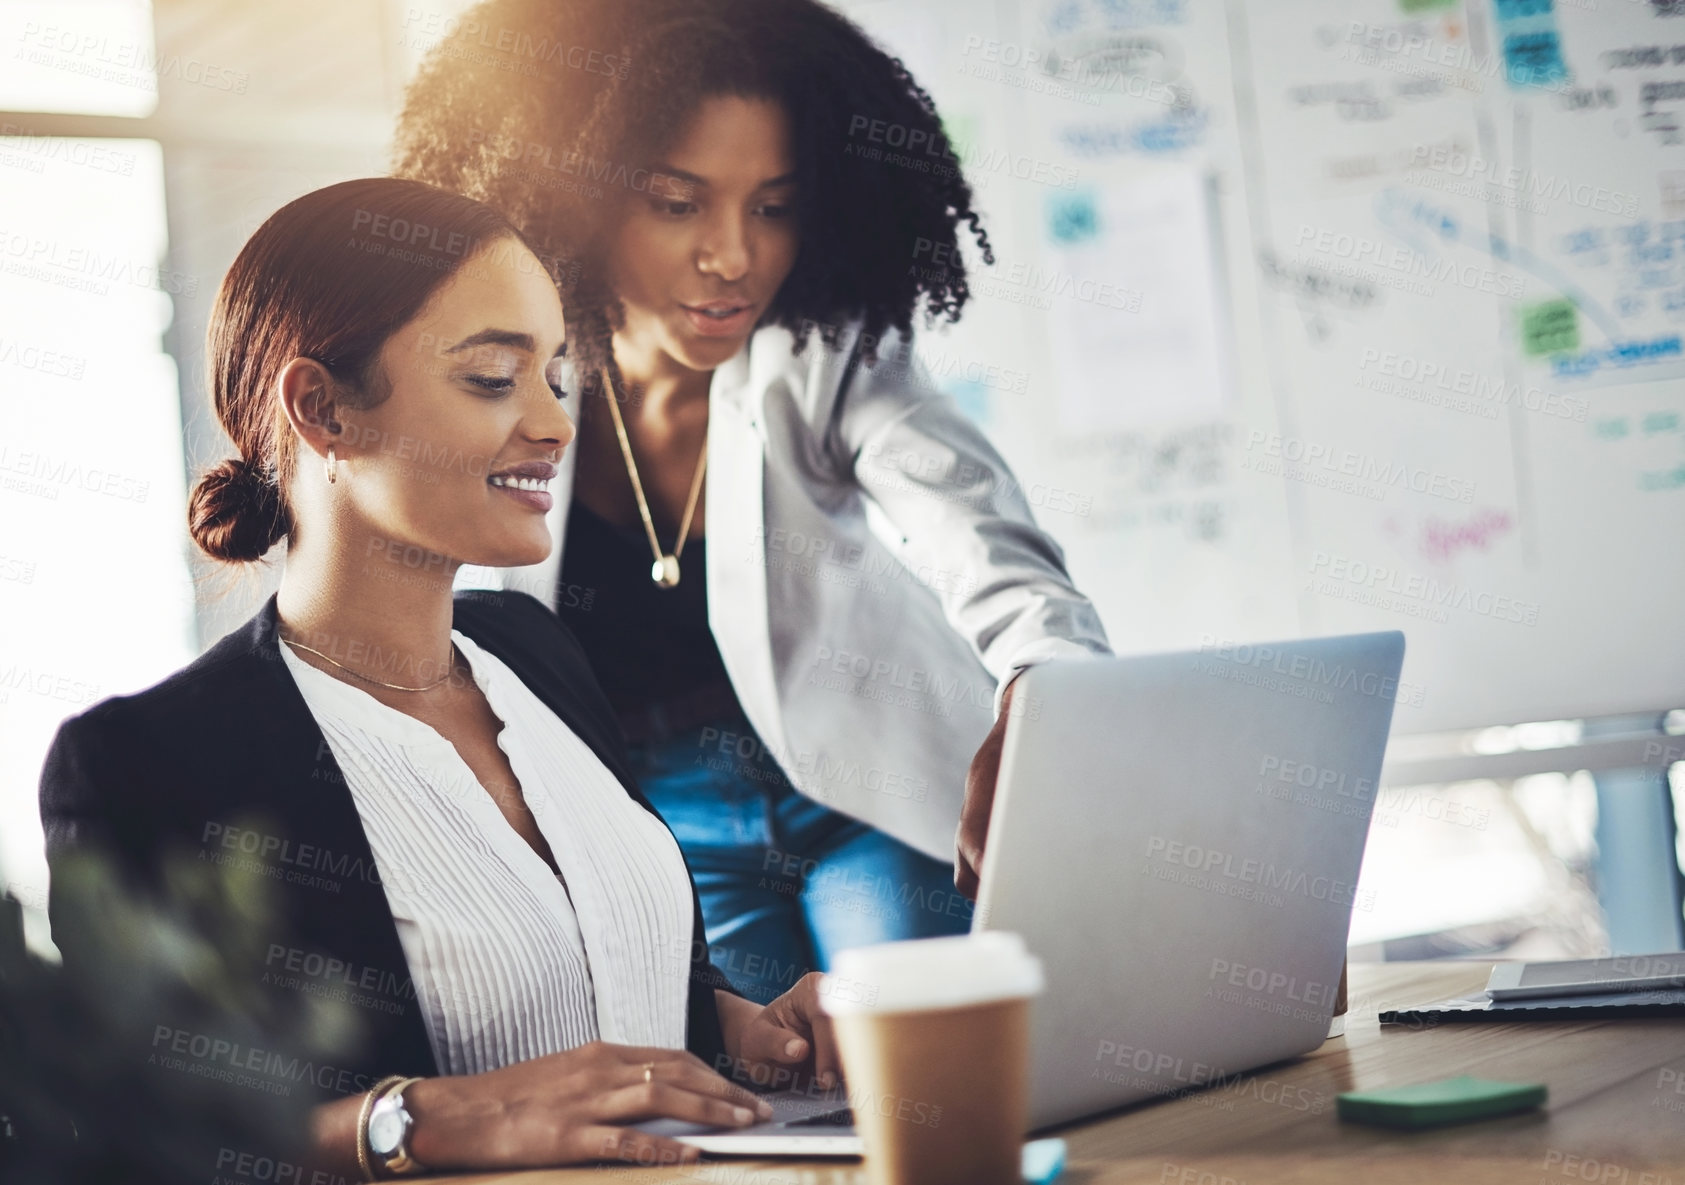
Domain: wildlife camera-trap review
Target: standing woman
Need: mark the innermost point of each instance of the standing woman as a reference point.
(803, 577)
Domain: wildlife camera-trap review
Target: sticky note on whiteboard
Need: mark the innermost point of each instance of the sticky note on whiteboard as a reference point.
(1072, 218)
(1530, 43)
(1549, 327)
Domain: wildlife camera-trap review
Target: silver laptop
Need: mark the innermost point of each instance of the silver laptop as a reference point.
(1177, 837)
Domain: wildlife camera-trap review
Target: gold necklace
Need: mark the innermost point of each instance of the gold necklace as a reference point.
(371, 678)
(665, 570)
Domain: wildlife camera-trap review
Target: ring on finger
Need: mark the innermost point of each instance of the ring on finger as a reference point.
(649, 1071)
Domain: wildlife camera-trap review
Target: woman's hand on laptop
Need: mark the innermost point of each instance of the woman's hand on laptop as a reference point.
(784, 1044)
(563, 1108)
(980, 801)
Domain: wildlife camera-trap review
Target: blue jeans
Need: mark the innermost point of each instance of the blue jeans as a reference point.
(785, 881)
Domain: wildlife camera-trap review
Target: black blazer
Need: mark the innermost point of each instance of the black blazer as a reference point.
(228, 741)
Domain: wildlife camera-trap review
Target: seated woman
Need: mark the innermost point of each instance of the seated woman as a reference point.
(382, 356)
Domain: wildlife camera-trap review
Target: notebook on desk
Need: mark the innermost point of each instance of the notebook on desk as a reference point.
(1477, 1006)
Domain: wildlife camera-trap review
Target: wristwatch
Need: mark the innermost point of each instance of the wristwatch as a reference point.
(389, 1128)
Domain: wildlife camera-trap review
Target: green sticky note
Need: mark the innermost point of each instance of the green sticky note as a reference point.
(1434, 1104)
(961, 131)
(1549, 327)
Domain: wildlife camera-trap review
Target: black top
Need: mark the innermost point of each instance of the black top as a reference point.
(650, 646)
(229, 741)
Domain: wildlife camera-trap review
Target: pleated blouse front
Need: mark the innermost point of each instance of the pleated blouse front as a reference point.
(509, 961)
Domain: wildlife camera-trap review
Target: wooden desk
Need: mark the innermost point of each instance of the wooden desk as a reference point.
(1616, 1114)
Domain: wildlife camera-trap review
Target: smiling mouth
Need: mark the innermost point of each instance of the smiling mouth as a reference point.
(518, 483)
(718, 312)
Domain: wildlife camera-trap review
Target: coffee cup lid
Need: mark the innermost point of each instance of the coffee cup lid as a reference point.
(930, 973)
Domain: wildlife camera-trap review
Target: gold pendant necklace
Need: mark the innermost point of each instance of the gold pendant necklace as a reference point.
(665, 570)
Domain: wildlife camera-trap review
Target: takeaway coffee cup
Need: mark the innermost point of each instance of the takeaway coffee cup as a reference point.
(935, 1043)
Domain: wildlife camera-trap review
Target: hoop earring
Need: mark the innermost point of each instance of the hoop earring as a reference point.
(332, 466)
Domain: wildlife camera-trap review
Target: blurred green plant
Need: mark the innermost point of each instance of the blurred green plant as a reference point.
(85, 1095)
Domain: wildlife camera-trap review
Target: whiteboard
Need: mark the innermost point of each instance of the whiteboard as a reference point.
(1403, 354)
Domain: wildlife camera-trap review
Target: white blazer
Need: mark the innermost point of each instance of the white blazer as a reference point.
(873, 574)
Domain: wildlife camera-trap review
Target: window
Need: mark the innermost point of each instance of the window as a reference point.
(90, 412)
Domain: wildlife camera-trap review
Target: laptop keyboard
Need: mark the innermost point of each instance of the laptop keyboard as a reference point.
(842, 1117)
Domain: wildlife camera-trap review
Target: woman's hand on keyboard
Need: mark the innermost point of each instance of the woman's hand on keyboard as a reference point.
(788, 1041)
(570, 1107)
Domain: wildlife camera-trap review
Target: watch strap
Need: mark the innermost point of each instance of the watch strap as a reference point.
(364, 1160)
(400, 1163)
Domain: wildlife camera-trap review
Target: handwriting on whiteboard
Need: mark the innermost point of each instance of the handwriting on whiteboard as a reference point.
(1442, 540)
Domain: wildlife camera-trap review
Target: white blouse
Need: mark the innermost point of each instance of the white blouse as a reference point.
(510, 962)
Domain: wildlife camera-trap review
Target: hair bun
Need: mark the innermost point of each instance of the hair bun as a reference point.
(236, 513)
